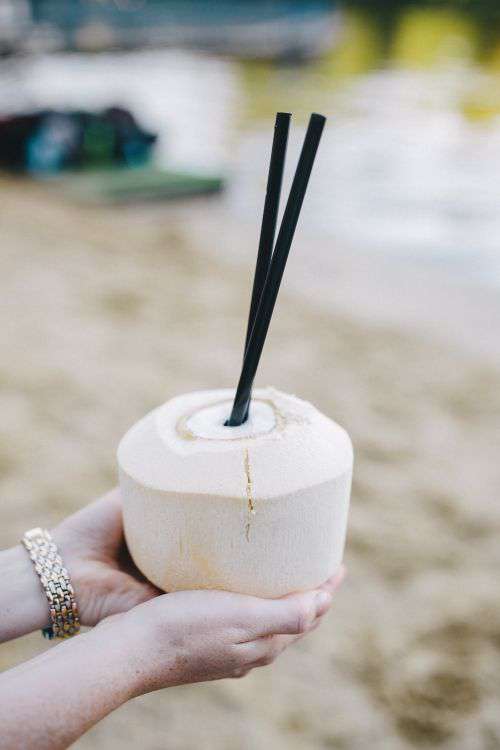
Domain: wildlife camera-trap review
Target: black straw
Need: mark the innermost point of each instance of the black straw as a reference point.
(270, 292)
(270, 215)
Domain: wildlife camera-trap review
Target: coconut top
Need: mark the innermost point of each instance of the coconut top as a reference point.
(285, 445)
(208, 423)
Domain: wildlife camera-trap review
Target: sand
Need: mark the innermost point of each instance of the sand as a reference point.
(410, 655)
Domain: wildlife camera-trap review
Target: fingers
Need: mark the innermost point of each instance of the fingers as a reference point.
(237, 673)
(97, 526)
(138, 590)
(333, 583)
(293, 614)
(264, 650)
(106, 506)
(261, 652)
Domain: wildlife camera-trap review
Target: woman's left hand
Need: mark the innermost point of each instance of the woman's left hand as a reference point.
(93, 549)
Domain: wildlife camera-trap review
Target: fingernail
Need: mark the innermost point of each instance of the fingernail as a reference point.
(322, 601)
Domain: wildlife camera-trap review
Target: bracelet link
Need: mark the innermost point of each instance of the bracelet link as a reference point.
(56, 583)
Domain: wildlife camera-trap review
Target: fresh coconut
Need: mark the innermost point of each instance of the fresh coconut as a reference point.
(234, 490)
(259, 509)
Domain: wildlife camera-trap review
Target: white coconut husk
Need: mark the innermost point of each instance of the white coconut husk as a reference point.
(259, 509)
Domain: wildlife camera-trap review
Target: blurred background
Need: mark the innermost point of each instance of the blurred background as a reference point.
(134, 144)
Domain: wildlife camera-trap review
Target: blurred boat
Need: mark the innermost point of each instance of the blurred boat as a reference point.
(94, 156)
(285, 29)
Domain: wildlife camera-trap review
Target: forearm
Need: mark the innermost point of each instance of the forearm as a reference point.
(50, 701)
(23, 604)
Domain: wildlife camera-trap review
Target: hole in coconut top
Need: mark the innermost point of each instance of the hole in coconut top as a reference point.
(208, 423)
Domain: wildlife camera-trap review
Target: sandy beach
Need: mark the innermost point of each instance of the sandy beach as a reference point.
(108, 312)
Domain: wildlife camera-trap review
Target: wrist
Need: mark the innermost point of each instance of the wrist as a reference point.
(128, 651)
(85, 589)
(65, 692)
(23, 603)
(111, 658)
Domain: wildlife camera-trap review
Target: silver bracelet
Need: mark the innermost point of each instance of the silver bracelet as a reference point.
(56, 583)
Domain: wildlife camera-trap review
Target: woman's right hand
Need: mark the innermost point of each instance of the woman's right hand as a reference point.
(188, 636)
(194, 636)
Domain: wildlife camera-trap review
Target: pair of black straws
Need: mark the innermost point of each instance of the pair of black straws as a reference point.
(271, 264)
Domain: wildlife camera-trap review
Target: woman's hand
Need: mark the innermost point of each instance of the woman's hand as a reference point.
(144, 641)
(189, 636)
(93, 549)
(194, 636)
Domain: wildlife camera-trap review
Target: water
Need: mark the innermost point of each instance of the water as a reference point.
(408, 166)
